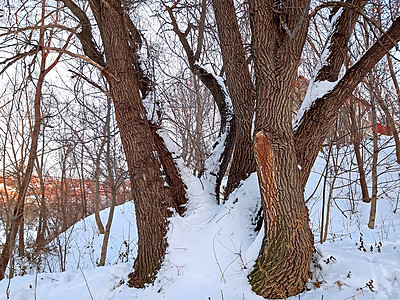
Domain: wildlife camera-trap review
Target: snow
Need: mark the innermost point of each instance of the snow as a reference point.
(212, 249)
(317, 89)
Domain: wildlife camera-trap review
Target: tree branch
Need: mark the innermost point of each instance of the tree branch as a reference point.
(316, 121)
(85, 36)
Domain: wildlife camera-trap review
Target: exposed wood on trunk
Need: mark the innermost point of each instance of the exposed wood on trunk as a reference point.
(283, 265)
(265, 164)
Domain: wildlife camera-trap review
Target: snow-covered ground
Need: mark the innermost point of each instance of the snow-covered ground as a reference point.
(213, 248)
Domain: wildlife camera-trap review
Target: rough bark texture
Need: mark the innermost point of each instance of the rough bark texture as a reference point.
(283, 265)
(338, 42)
(151, 196)
(317, 120)
(174, 183)
(241, 90)
(227, 123)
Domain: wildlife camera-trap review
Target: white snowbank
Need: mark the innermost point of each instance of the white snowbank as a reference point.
(212, 249)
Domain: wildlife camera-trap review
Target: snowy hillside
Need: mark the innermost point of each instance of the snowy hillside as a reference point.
(213, 248)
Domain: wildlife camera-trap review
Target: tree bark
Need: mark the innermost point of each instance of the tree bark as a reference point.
(241, 90)
(338, 41)
(113, 187)
(336, 49)
(374, 168)
(152, 198)
(316, 122)
(283, 265)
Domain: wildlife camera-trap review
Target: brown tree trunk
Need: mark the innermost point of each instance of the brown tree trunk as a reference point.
(96, 197)
(40, 240)
(356, 138)
(97, 170)
(283, 265)
(241, 90)
(374, 167)
(151, 196)
(336, 49)
(113, 187)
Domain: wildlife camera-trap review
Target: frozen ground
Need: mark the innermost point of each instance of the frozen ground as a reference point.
(213, 248)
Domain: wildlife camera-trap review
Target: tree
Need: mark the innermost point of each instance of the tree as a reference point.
(284, 156)
(156, 187)
(284, 153)
(18, 212)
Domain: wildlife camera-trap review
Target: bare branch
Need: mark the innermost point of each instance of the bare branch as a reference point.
(85, 36)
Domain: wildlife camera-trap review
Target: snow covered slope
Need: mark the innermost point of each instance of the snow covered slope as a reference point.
(212, 249)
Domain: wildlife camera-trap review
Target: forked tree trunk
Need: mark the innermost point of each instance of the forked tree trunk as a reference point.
(319, 117)
(113, 187)
(151, 195)
(283, 265)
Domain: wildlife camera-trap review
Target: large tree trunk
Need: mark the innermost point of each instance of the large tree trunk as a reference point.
(241, 90)
(283, 265)
(151, 195)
